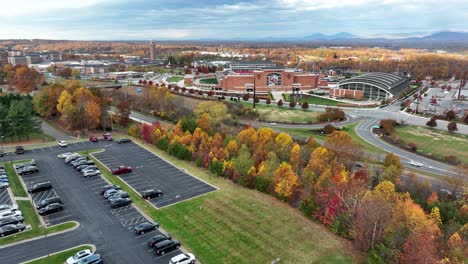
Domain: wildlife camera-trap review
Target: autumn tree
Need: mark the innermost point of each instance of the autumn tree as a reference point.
(286, 181)
(432, 122)
(392, 168)
(45, 101)
(205, 123)
(123, 112)
(343, 147)
(243, 161)
(295, 160)
(216, 112)
(388, 125)
(25, 80)
(452, 126)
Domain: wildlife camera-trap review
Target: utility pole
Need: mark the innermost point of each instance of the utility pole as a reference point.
(462, 84)
(254, 90)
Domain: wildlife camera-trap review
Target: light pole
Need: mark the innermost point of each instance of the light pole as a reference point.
(3, 152)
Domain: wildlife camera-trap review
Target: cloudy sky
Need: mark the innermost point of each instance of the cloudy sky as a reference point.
(224, 19)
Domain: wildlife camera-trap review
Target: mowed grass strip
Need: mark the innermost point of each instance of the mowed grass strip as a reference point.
(15, 183)
(59, 257)
(175, 79)
(238, 225)
(435, 142)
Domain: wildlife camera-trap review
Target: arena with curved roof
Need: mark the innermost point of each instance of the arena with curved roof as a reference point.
(372, 86)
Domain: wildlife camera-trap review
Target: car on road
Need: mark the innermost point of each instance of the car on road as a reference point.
(93, 139)
(93, 259)
(64, 155)
(11, 229)
(416, 164)
(28, 170)
(79, 256)
(45, 202)
(165, 246)
(39, 187)
(108, 187)
(4, 185)
(91, 173)
(62, 143)
(11, 220)
(19, 150)
(151, 193)
(124, 140)
(120, 202)
(107, 137)
(121, 170)
(51, 208)
(184, 258)
(157, 238)
(144, 227)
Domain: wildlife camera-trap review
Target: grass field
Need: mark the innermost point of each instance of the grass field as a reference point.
(59, 257)
(175, 79)
(31, 138)
(315, 100)
(435, 142)
(238, 225)
(209, 81)
(15, 184)
(285, 114)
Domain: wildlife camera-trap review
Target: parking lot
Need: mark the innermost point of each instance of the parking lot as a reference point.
(152, 172)
(110, 230)
(5, 197)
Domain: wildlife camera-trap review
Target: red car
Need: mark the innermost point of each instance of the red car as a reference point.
(93, 139)
(121, 170)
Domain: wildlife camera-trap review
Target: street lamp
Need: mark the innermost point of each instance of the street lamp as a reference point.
(3, 152)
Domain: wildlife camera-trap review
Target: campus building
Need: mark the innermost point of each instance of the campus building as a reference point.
(269, 80)
(250, 66)
(152, 48)
(376, 86)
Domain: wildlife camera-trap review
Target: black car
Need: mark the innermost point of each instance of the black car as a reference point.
(156, 239)
(120, 202)
(124, 140)
(11, 220)
(108, 187)
(144, 227)
(28, 170)
(92, 259)
(151, 193)
(165, 246)
(11, 229)
(51, 208)
(19, 150)
(45, 202)
(39, 187)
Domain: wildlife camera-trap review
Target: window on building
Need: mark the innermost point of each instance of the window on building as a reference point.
(273, 79)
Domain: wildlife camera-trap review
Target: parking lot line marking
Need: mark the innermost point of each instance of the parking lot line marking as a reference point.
(178, 251)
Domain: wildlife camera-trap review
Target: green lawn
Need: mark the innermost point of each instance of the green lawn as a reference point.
(209, 81)
(238, 225)
(303, 133)
(315, 100)
(31, 218)
(175, 79)
(15, 183)
(285, 114)
(59, 257)
(35, 137)
(435, 142)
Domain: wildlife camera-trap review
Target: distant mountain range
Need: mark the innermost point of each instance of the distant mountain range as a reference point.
(450, 36)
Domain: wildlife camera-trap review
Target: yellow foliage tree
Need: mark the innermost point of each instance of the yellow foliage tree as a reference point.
(286, 181)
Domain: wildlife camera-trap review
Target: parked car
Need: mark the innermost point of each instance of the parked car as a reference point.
(93, 259)
(107, 137)
(118, 195)
(184, 258)
(45, 202)
(156, 239)
(9, 213)
(11, 220)
(62, 143)
(165, 246)
(82, 167)
(124, 140)
(51, 208)
(8, 207)
(4, 179)
(28, 170)
(25, 164)
(144, 227)
(109, 193)
(93, 139)
(11, 229)
(80, 162)
(19, 150)
(90, 167)
(72, 157)
(64, 155)
(91, 173)
(4, 185)
(121, 170)
(151, 193)
(79, 256)
(120, 202)
(39, 187)
(108, 187)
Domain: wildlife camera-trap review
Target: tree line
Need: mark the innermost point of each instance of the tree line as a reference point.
(17, 117)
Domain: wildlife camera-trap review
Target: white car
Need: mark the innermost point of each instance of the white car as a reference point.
(62, 143)
(64, 155)
(416, 164)
(9, 213)
(79, 255)
(4, 207)
(91, 173)
(185, 258)
(4, 185)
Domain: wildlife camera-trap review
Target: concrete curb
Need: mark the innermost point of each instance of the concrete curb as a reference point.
(41, 236)
(93, 247)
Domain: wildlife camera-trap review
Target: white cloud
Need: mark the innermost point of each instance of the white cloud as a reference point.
(23, 7)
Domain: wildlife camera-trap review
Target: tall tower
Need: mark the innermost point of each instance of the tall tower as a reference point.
(152, 47)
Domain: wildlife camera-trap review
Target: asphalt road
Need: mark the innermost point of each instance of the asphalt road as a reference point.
(108, 229)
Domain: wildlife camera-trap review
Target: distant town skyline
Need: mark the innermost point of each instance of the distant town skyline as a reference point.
(226, 19)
